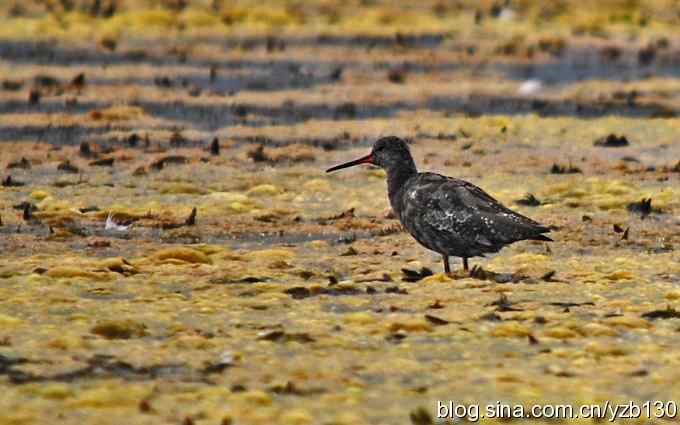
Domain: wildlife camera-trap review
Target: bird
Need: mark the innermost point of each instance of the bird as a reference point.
(446, 215)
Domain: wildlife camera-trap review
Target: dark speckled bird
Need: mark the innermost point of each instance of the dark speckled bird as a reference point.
(446, 215)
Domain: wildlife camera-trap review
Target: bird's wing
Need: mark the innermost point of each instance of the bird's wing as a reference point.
(461, 213)
(477, 198)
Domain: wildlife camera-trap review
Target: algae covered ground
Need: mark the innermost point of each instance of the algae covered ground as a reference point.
(172, 251)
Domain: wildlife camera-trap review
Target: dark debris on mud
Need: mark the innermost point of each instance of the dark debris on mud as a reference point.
(612, 141)
(104, 367)
(479, 273)
(503, 304)
(564, 169)
(643, 208)
(301, 292)
(668, 313)
(416, 275)
(529, 200)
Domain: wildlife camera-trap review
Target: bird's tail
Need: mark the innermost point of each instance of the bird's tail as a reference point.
(540, 238)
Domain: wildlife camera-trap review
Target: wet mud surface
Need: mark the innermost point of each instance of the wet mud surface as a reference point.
(172, 250)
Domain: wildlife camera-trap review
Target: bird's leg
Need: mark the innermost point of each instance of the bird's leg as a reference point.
(465, 264)
(447, 267)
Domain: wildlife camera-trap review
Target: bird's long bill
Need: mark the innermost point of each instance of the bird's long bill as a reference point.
(368, 159)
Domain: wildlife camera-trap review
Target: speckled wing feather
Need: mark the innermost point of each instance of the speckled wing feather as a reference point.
(457, 218)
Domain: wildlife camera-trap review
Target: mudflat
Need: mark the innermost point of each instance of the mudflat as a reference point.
(172, 250)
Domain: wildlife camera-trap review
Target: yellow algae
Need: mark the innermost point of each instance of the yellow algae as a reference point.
(672, 295)
(270, 294)
(161, 19)
(437, 278)
(199, 18)
(605, 194)
(227, 201)
(191, 342)
(560, 333)
(610, 187)
(496, 121)
(596, 329)
(620, 275)
(665, 197)
(209, 249)
(631, 322)
(6, 274)
(508, 378)
(279, 265)
(259, 398)
(318, 244)
(360, 318)
(117, 264)
(417, 325)
(108, 395)
(609, 202)
(182, 188)
(119, 329)
(270, 255)
(180, 253)
(618, 304)
(117, 113)
(239, 207)
(68, 341)
(17, 418)
(317, 185)
(227, 197)
(49, 203)
(59, 272)
(527, 257)
(296, 417)
(7, 321)
(39, 195)
(512, 329)
(78, 316)
(607, 349)
(264, 190)
(51, 390)
(347, 344)
(567, 353)
(526, 315)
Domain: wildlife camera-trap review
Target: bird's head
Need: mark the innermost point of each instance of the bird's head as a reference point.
(388, 152)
